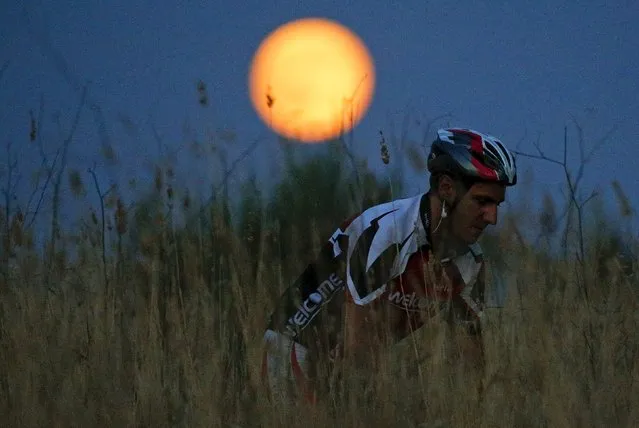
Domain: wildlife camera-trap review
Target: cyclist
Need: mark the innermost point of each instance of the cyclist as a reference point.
(392, 268)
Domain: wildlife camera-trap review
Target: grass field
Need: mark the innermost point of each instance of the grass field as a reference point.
(161, 325)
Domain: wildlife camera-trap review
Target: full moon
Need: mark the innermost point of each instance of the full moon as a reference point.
(311, 80)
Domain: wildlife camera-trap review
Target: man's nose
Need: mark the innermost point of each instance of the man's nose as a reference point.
(490, 214)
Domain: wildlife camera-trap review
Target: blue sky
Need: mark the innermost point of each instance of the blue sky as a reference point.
(517, 70)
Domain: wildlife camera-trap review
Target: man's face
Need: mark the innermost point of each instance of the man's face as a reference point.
(476, 210)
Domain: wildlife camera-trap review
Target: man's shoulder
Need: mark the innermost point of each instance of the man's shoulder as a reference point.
(398, 209)
(378, 244)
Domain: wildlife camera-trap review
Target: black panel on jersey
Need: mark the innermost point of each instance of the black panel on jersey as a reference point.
(364, 279)
(302, 302)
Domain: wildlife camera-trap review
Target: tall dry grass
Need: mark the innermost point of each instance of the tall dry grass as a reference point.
(162, 325)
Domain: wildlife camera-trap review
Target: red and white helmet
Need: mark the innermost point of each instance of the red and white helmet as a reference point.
(473, 155)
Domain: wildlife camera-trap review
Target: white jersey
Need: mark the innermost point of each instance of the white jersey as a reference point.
(375, 258)
(398, 227)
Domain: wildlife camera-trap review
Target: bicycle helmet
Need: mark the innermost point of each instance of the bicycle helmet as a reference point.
(472, 156)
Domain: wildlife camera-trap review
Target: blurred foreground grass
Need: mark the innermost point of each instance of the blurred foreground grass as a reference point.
(162, 325)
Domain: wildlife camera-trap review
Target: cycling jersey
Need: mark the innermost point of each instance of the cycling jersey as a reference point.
(375, 258)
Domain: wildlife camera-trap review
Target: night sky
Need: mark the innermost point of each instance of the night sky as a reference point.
(517, 70)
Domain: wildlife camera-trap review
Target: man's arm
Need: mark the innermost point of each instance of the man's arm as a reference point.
(367, 337)
(469, 337)
(476, 351)
(365, 332)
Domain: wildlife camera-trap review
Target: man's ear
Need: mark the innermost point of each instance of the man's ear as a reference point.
(446, 188)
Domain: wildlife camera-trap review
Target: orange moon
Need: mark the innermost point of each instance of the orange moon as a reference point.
(311, 80)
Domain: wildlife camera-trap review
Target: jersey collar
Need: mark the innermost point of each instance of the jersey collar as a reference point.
(425, 215)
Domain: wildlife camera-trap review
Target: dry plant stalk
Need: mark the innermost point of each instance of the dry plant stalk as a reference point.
(182, 345)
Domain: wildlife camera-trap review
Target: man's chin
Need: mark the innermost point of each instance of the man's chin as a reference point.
(469, 239)
(474, 236)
